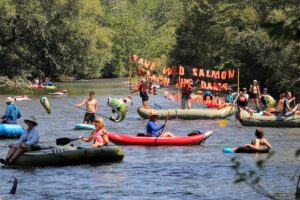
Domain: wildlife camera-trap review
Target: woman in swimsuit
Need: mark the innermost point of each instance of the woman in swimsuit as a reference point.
(99, 135)
(255, 94)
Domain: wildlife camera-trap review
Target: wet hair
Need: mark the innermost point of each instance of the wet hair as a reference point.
(92, 93)
(259, 133)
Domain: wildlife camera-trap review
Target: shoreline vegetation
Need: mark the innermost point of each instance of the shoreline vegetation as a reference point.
(92, 39)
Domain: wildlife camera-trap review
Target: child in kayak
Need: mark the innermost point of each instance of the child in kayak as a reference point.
(99, 135)
(91, 108)
(153, 129)
(256, 144)
(27, 142)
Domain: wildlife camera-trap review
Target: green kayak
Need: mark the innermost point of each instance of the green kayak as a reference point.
(69, 155)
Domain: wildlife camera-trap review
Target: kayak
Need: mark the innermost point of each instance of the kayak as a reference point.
(204, 113)
(70, 155)
(257, 119)
(10, 131)
(124, 139)
(246, 150)
(84, 127)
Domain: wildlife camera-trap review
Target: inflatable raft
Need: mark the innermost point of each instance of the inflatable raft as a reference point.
(259, 120)
(124, 139)
(84, 127)
(10, 131)
(246, 150)
(70, 156)
(211, 113)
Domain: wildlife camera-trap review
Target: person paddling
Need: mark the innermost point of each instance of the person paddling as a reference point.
(153, 130)
(12, 112)
(99, 135)
(256, 144)
(91, 108)
(27, 142)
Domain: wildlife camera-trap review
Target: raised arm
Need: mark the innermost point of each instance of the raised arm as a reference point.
(80, 104)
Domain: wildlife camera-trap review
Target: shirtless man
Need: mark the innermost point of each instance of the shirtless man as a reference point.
(91, 108)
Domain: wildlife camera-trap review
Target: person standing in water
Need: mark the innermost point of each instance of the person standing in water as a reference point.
(91, 108)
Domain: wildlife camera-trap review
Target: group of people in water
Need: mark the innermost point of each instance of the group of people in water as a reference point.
(29, 140)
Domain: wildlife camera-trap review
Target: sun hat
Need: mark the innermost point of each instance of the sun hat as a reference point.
(9, 99)
(31, 119)
(152, 114)
(254, 81)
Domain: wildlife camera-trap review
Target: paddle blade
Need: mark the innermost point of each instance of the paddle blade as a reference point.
(63, 141)
(223, 122)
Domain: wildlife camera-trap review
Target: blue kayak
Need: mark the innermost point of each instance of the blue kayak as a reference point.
(10, 131)
(84, 127)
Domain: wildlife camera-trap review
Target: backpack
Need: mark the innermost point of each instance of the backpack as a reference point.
(195, 132)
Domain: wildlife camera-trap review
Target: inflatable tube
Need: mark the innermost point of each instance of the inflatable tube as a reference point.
(246, 150)
(84, 127)
(268, 121)
(188, 114)
(10, 131)
(124, 139)
(69, 155)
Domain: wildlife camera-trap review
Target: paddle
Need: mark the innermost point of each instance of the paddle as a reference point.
(224, 121)
(155, 104)
(96, 113)
(162, 130)
(64, 141)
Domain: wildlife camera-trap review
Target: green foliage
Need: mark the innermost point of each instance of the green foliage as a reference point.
(145, 28)
(220, 34)
(53, 38)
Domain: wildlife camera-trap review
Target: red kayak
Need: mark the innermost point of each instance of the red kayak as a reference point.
(124, 139)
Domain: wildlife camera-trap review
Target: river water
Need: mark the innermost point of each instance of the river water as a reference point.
(191, 172)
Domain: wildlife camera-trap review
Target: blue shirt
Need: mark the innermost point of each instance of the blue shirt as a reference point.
(229, 98)
(12, 113)
(153, 129)
(30, 138)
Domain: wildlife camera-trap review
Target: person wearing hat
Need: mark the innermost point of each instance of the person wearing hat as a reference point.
(254, 92)
(153, 130)
(258, 143)
(12, 112)
(27, 142)
(229, 97)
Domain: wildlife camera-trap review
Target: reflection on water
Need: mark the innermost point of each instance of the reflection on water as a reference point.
(192, 172)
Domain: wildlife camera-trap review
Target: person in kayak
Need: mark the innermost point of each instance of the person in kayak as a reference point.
(256, 145)
(91, 108)
(12, 112)
(153, 130)
(242, 103)
(142, 86)
(99, 135)
(27, 142)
